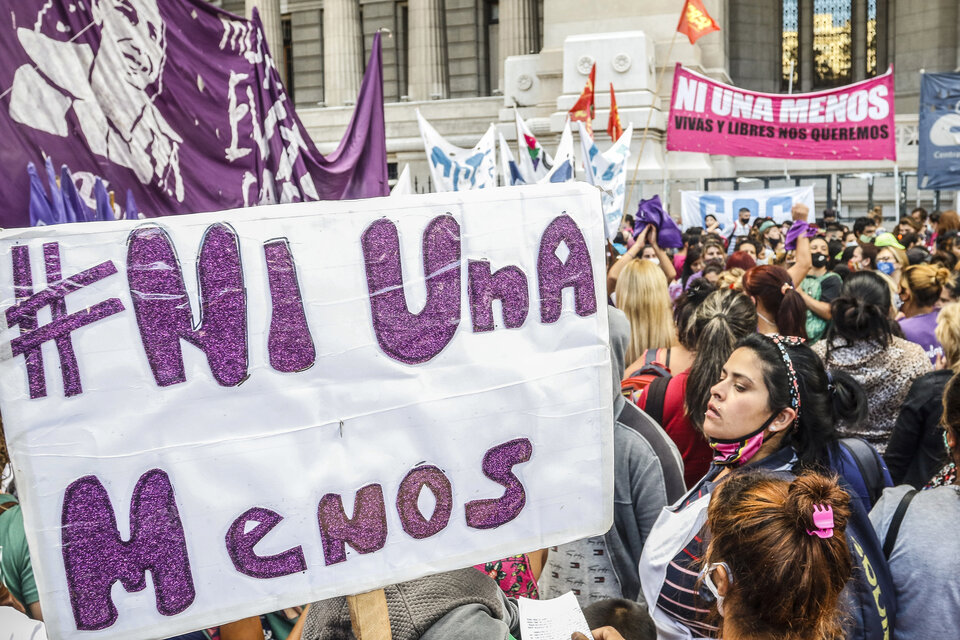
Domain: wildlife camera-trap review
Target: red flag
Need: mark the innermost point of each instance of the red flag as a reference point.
(613, 123)
(695, 21)
(582, 111)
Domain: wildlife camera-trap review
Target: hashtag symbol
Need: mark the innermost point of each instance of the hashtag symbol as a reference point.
(33, 335)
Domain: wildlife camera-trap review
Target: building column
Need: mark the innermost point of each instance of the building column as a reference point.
(884, 31)
(342, 52)
(270, 17)
(858, 39)
(518, 30)
(805, 44)
(428, 77)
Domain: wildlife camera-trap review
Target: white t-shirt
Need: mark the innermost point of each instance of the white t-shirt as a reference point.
(16, 626)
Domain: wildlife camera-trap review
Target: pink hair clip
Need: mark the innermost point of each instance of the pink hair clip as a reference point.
(823, 521)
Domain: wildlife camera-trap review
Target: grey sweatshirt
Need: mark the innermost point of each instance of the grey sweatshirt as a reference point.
(464, 604)
(925, 560)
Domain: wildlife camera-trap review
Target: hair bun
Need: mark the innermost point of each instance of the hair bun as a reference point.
(812, 489)
(942, 276)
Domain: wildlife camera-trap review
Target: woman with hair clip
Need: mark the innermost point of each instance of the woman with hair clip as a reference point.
(777, 561)
(915, 451)
(722, 319)
(862, 342)
(917, 530)
(778, 558)
(780, 308)
(920, 288)
(774, 408)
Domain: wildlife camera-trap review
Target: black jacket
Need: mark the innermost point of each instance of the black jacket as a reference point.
(915, 451)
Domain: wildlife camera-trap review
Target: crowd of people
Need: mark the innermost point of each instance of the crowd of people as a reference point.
(786, 434)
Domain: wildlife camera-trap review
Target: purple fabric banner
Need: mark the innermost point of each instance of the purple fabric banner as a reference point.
(177, 101)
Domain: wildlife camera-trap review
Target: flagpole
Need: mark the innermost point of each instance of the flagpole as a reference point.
(646, 127)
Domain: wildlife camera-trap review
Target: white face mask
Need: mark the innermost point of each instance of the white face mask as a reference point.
(653, 260)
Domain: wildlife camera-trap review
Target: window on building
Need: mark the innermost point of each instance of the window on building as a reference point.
(491, 23)
(872, 38)
(832, 50)
(791, 29)
(286, 27)
(830, 45)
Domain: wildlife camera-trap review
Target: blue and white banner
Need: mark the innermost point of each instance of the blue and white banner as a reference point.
(939, 135)
(562, 169)
(456, 169)
(608, 170)
(725, 205)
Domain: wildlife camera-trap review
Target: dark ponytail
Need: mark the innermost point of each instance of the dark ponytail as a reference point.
(861, 312)
(849, 398)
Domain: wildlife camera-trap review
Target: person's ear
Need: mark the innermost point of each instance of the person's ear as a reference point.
(951, 439)
(722, 580)
(783, 420)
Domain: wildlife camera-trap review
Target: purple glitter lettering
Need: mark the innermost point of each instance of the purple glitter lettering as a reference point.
(24, 314)
(366, 531)
(411, 518)
(509, 285)
(413, 338)
(95, 556)
(498, 465)
(163, 309)
(556, 275)
(23, 290)
(290, 344)
(240, 544)
(58, 309)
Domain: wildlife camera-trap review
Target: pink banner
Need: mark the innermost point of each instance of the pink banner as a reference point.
(854, 122)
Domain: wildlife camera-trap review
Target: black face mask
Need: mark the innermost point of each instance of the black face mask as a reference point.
(819, 260)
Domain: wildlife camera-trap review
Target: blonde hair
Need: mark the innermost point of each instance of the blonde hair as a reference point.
(925, 283)
(731, 279)
(948, 334)
(642, 295)
(898, 254)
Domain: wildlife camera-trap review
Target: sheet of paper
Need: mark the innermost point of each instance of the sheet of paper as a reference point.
(554, 619)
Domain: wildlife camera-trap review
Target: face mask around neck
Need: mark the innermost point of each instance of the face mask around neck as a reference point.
(736, 452)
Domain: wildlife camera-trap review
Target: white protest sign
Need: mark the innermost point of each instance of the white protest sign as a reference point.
(362, 393)
(726, 205)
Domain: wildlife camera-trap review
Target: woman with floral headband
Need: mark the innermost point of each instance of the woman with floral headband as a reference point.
(775, 409)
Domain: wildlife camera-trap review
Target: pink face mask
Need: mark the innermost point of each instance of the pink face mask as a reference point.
(738, 451)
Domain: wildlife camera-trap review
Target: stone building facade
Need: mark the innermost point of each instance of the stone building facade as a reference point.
(466, 63)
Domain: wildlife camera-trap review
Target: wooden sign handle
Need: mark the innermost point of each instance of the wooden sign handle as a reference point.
(369, 617)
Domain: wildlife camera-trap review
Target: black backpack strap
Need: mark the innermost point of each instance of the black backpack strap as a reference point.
(656, 396)
(868, 464)
(894, 528)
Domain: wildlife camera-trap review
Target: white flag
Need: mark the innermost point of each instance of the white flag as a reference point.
(456, 169)
(404, 185)
(562, 170)
(608, 170)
